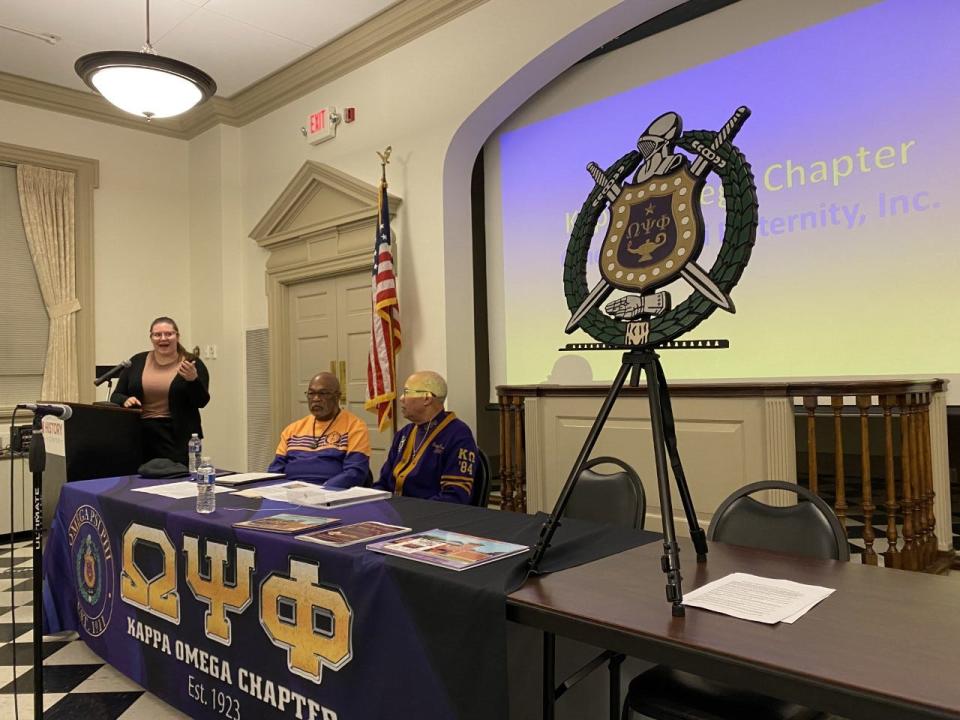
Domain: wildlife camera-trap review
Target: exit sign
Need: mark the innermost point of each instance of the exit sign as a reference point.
(322, 125)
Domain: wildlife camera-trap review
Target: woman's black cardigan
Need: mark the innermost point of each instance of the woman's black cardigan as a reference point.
(185, 398)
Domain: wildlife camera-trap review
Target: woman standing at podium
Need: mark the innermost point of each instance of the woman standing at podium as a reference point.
(170, 385)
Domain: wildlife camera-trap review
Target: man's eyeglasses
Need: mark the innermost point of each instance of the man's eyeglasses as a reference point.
(313, 394)
(411, 392)
(160, 335)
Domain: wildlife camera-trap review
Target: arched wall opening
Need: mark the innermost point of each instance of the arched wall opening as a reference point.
(461, 155)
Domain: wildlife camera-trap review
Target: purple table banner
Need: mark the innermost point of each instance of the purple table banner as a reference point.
(235, 624)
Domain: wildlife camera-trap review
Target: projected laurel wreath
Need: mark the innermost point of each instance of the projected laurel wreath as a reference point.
(656, 232)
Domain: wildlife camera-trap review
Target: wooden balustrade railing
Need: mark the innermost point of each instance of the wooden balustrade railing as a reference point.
(902, 411)
(513, 486)
(867, 452)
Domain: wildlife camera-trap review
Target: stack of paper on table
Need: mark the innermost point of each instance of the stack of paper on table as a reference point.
(183, 489)
(757, 598)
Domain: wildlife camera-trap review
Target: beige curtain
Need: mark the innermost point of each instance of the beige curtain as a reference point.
(47, 206)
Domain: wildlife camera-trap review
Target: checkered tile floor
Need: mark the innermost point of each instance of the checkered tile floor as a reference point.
(76, 683)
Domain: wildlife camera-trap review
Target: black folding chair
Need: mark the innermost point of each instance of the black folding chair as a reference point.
(615, 498)
(807, 528)
(481, 482)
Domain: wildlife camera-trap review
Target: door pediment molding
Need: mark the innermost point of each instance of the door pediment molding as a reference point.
(319, 198)
(322, 224)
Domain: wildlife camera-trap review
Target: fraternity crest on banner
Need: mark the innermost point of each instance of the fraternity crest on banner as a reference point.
(93, 569)
(656, 232)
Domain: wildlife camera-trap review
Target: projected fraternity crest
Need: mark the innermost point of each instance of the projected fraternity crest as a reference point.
(655, 234)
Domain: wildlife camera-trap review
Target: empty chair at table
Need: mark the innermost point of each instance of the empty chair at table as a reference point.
(807, 528)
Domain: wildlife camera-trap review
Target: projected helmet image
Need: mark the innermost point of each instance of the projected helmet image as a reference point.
(656, 232)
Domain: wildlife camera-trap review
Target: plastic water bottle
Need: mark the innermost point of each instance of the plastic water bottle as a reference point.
(194, 451)
(206, 487)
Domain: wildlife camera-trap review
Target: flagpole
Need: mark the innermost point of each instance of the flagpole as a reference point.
(384, 161)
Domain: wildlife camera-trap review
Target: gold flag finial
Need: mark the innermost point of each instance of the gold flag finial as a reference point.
(384, 161)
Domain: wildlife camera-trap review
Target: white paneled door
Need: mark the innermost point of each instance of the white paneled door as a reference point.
(329, 321)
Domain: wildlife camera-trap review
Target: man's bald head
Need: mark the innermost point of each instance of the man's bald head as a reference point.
(430, 381)
(326, 380)
(423, 396)
(323, 395)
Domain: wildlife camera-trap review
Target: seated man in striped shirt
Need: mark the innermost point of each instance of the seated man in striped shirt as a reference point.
(435, 456)
(330, 445)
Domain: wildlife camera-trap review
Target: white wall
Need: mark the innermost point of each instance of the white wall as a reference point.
(217, 288)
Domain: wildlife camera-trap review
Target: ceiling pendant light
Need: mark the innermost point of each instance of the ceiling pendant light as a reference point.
(144, 83)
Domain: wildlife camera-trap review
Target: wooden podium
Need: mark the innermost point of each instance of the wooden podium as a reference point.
(99, 441)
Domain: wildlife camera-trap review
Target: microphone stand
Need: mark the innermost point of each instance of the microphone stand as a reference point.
(13, 604)
(38, 463)
(109, 376)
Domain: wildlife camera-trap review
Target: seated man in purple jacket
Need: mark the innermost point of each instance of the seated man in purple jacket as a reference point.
(330, 445)
(435, 456)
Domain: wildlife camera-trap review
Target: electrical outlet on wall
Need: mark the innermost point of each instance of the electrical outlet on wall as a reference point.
(210, 352)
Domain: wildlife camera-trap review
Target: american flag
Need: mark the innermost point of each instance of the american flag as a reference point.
(385, 334)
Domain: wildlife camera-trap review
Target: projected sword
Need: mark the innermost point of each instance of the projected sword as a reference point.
(698, 278)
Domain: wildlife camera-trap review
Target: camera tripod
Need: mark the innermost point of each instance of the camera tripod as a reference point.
(664, 444)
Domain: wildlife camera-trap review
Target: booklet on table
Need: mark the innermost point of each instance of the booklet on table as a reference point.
(299, 492)
(447, 549)
(352, 534)
(250, 477)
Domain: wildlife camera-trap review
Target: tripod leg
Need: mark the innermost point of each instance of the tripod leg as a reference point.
(670, 436)
(550, 527)
(670, 560)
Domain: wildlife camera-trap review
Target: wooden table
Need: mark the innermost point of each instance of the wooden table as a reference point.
(885, 645)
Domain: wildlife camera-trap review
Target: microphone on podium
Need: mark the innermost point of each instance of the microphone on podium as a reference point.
(112, 372)
(61, 411)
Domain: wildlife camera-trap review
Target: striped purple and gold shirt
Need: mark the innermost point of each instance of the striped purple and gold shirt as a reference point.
(336, 454)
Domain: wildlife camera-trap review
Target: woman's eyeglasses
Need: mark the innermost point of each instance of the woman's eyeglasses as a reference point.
(161, 335)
